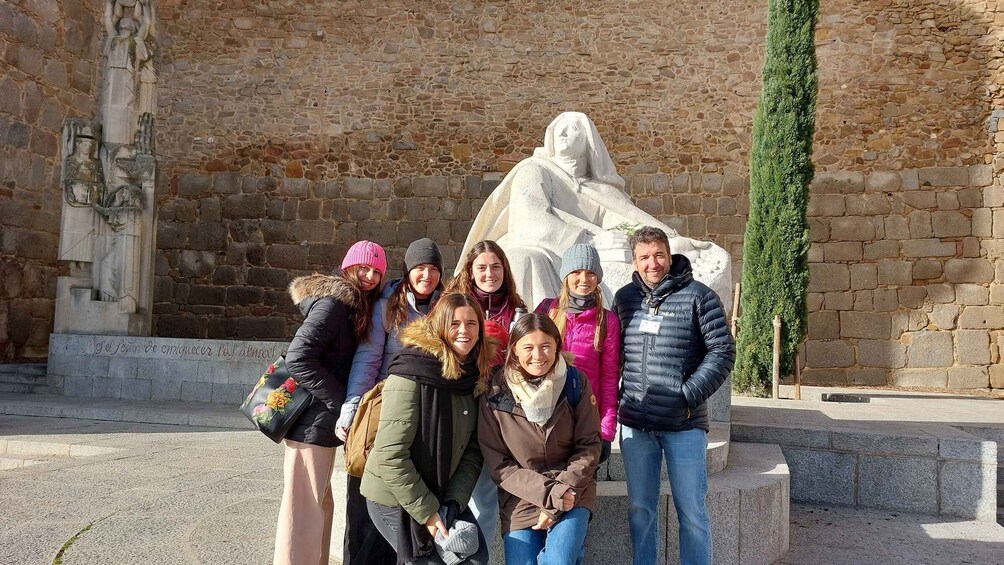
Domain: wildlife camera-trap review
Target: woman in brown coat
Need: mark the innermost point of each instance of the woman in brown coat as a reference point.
(539, 431)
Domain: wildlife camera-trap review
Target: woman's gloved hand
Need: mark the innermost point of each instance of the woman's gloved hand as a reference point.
(449, 513)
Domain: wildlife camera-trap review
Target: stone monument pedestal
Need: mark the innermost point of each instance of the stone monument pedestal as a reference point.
(78, 311)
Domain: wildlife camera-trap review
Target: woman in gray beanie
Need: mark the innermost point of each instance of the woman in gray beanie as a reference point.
(403, 300)
(590, 332)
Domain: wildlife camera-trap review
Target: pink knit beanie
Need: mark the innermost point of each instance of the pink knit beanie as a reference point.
(366, 253)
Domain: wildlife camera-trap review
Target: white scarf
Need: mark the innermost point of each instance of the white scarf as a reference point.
(538, 400)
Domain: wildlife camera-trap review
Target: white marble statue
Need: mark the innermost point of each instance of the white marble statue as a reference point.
(569, 192)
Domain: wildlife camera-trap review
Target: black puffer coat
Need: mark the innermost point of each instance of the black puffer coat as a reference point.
(320, 355)
(667, 377)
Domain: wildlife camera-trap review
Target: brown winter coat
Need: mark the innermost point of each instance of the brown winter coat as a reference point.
(535, 465)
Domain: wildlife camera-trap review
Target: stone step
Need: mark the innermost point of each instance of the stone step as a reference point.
(717, 454)
(27, 388)
(24, 369)
(21, 379)
(25, 378)
(8, 462)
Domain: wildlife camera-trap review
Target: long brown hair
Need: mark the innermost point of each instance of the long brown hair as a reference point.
(438, 324)
(464, 282)
(362, 317)
(397, 303)
(559, 308)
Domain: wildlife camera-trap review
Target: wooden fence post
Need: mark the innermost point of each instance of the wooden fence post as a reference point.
(776, 373)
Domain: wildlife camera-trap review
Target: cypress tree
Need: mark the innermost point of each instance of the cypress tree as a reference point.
(776, 245)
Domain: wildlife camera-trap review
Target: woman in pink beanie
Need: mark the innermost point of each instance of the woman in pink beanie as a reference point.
(337, 312)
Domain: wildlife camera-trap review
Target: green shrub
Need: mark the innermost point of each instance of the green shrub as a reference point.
(776, 246)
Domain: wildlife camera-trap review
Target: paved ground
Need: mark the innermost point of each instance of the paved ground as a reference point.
(154, 493)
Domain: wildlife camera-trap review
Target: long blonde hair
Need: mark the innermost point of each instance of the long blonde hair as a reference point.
(438, 324)
(559, 307)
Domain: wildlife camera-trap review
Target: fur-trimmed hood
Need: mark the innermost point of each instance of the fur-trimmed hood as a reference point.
(419, 335)
(317, 286)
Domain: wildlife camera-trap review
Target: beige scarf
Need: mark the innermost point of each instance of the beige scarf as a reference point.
(538, 400)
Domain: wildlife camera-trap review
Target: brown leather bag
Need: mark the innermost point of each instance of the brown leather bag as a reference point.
(362, 432)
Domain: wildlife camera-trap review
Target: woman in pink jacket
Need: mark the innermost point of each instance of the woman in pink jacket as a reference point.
(591, 333)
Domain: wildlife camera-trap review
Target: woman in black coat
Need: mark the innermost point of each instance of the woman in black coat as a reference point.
(337, 312)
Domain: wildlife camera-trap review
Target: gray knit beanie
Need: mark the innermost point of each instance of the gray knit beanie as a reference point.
(578, 257)
(423, 251)
(462, 542)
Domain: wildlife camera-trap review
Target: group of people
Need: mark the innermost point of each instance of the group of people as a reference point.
(495, 416)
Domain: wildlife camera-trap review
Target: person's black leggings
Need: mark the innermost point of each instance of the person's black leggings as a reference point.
(364, 544)
(386, 518)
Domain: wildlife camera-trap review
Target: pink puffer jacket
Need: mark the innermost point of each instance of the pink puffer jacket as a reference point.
(602, 368)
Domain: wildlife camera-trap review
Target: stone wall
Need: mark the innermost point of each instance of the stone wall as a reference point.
(318, 89)
(228, 243)
(48, 52)
(906, 278)
(288, 131)
(406, 118)
(448, 88)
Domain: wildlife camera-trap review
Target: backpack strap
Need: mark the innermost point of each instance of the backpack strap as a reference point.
(573, 387)
(547, 304)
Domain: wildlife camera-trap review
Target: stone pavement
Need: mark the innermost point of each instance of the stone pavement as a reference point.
(156, 493)
(833, 535)
(886, 408)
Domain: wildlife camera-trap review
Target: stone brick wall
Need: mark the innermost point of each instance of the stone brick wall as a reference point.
(228, 244)
(907, 278)
(48, 52)
(324, 89)
(288, 131)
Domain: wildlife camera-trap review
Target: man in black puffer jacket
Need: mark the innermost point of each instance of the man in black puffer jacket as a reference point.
(677, 351)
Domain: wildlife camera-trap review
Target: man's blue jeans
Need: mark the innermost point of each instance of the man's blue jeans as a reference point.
(563, 544)
(688, 480)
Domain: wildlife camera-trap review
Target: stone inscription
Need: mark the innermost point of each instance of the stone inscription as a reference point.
(184, 349)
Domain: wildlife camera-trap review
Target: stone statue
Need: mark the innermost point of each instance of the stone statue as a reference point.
(83, 184)
(129, 167)
(129, 76)
(109, 176)
(569, 192)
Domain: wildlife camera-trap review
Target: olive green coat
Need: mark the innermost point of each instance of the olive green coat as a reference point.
(390, 477)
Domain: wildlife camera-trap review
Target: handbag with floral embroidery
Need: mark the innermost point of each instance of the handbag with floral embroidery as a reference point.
(276, 401)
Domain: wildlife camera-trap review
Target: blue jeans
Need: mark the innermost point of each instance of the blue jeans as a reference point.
(563, 544)
(485, 504)
(688, 479)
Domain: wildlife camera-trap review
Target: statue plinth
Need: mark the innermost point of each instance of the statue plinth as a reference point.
(79, 311)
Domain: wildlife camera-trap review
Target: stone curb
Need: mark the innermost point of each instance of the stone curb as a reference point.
(932, 469)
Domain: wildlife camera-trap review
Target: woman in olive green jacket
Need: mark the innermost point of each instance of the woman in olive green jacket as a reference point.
(426, 459)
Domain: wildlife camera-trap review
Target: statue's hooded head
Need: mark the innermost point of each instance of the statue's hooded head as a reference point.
(601, 167)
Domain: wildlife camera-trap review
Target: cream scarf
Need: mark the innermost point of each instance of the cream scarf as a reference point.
(538, 400)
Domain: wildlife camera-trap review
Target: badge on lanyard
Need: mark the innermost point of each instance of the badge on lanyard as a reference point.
(650, 324)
